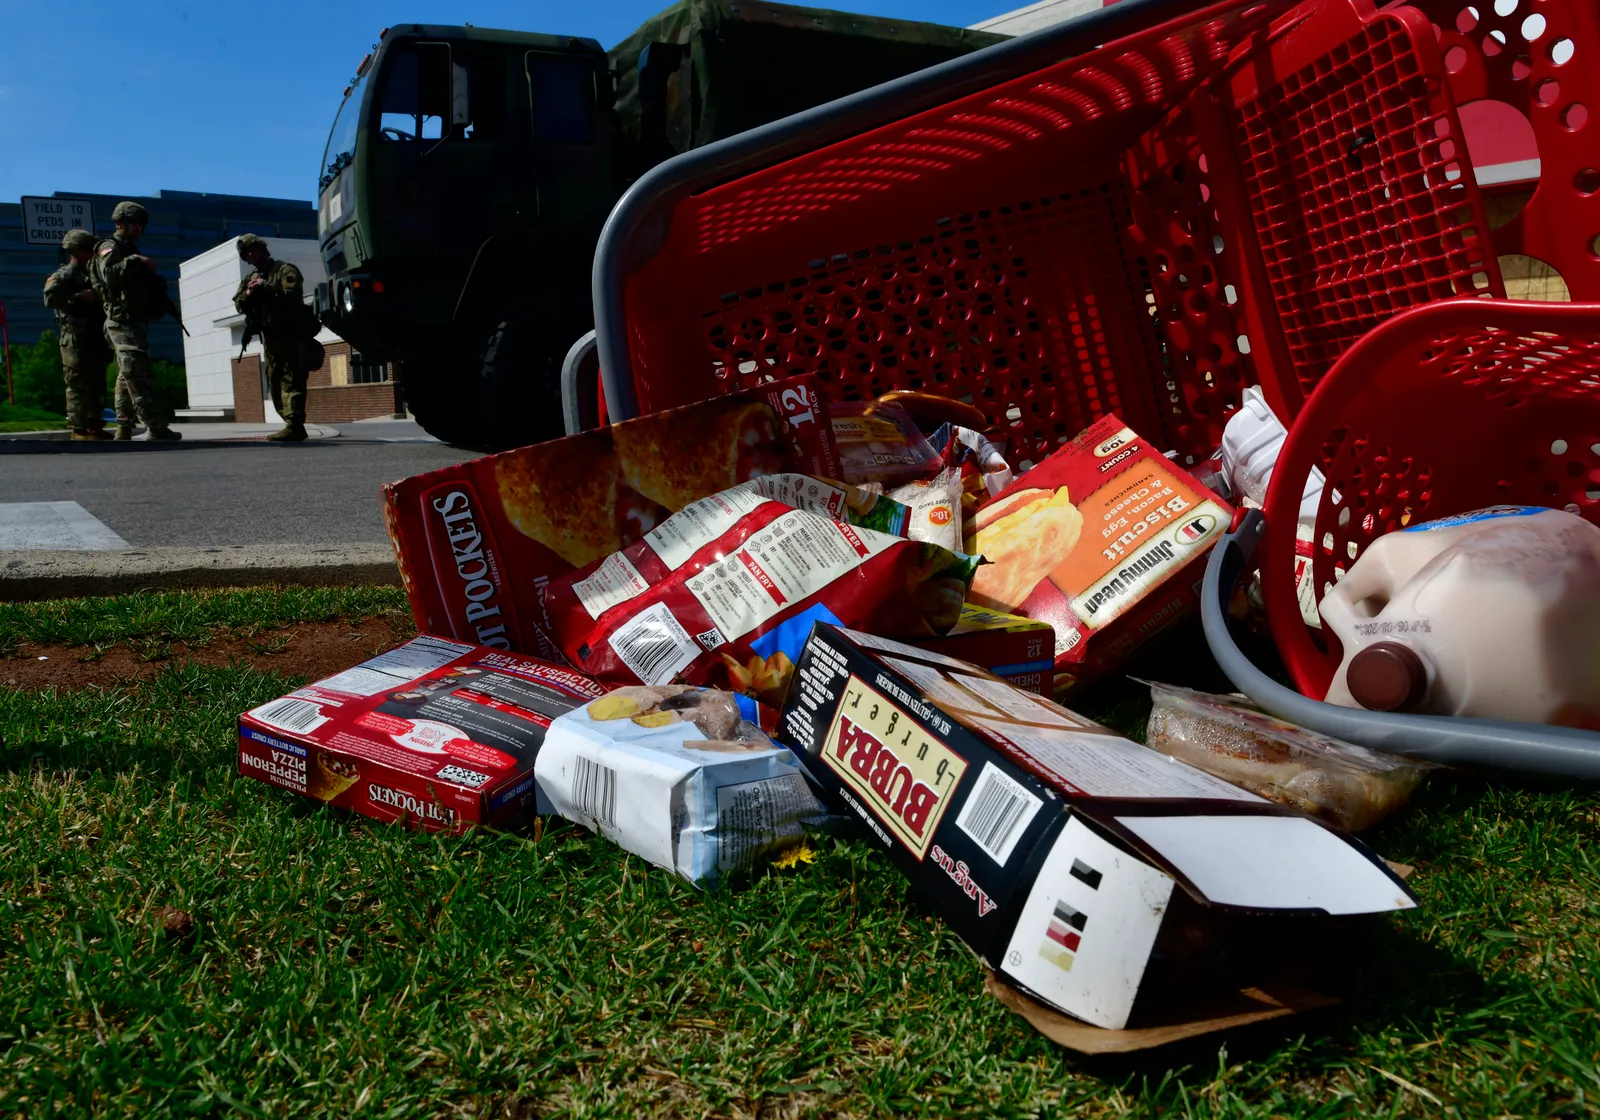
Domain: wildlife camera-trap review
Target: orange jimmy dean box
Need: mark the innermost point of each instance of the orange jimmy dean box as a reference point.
(1105, 540)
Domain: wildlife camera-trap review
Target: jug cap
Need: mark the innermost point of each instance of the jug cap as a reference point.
(1387, 677)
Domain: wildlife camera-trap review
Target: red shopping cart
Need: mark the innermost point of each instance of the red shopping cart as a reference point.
(1535, 61)
(1144, 227)
(1441, 410)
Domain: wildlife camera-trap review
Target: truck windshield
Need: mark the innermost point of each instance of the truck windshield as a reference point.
(342, 140)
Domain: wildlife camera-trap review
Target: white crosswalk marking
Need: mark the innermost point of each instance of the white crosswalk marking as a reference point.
(54, 525)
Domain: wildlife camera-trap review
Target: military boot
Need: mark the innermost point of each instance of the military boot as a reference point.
(85, 433)
(165, 435)
(124, 431)
(291, 433)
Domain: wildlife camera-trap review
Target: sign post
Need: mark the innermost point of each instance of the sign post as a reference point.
(45, 220)
(5, 341)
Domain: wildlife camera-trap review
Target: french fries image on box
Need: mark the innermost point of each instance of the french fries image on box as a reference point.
(1023, 537)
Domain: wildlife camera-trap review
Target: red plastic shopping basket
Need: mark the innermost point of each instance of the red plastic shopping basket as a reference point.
(1444, 409)
(1542, 59)
(1144, 228)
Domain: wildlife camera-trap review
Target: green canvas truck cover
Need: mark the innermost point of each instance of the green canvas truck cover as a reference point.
(730, 65)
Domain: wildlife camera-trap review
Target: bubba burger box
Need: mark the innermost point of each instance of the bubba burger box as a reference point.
(1105, 540)
(477, 543)
(1094, 875)
(435, 734)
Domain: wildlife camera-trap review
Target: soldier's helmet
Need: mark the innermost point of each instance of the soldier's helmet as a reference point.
(130, 212)
(249, 243)
(77, 240)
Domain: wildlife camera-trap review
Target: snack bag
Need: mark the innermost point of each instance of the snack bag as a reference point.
(1232, 738)
(677, 776)
(736, 611)
(580, 597)
(879, 442)
(477, 542)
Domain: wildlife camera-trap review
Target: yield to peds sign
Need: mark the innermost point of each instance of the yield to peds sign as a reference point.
(44, 220)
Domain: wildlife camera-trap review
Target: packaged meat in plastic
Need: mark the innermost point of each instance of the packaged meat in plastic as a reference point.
(737, 611)
(1230, 737)
(879, 442)
(679, 777)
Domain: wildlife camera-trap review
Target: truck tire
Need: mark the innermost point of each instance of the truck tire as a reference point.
(503, 392)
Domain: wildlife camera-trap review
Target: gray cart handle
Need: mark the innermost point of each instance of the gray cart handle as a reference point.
(1526, 747)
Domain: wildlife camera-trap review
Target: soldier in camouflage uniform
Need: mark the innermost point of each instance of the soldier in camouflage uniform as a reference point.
(134, 296)
(272, 297)
(84, 354)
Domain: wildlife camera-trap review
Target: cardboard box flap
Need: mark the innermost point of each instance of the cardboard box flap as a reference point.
(1173, 1022)
(1270, 862)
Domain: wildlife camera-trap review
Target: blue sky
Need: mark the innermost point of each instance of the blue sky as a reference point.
(131, 97)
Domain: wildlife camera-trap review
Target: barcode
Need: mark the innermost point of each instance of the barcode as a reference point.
(997, 813)
(594, 791)
(654, 646)
(291, 714)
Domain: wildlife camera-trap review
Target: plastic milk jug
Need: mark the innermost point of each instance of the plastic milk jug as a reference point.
(1493, 614)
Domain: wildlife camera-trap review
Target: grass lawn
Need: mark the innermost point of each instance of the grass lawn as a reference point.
(341, 968)
(15, 418)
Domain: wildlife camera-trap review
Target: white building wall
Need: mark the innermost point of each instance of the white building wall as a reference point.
(1034, 16)
(206, 284)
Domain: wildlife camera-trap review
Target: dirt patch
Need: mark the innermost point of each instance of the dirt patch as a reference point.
(313, 650)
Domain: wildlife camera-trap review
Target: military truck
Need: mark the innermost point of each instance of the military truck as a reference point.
(469, 171)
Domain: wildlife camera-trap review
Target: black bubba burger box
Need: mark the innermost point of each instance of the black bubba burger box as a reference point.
(1076, 863)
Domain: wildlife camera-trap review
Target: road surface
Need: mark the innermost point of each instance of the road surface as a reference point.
(316, 494)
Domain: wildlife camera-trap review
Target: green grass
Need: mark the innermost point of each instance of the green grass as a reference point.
(193, 617)
(342, 968)
(17, 418)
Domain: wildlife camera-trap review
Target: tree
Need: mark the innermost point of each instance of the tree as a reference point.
(36, 374)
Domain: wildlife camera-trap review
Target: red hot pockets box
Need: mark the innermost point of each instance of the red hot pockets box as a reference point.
(434, 733)
(1092, 874)
(477, 543)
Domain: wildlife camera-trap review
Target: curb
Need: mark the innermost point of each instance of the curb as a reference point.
(47, 574)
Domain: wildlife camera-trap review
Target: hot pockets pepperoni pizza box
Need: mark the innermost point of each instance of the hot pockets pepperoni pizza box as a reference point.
(478, 542)
(435, 734)
(1018, 650)
(1098, 878)
(1106, 540)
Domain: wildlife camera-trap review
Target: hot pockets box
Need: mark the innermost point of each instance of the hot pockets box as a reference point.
(477, 543)
(1097, 877)
(434, 733)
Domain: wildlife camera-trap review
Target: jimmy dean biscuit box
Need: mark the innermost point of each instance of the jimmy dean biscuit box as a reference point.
(477, 543)
(435, 734)
(1105, 540)
(1090, 872)
(1020, 651)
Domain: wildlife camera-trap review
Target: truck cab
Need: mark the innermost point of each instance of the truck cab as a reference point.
(464, 184)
